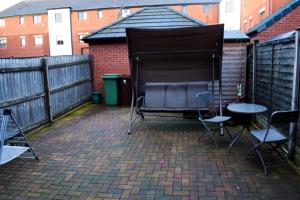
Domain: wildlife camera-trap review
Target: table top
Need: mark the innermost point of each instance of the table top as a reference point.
(246, 108)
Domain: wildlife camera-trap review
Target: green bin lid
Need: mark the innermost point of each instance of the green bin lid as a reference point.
(110, 76)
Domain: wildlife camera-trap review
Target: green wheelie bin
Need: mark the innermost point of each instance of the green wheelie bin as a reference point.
(111, 91)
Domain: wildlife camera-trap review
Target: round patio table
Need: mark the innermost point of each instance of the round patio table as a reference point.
(245, 109)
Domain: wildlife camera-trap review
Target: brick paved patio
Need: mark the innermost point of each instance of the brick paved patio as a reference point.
(89, 156)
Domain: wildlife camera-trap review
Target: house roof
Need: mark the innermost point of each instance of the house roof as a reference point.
(29, 7)
(271, 19)
(153, 17)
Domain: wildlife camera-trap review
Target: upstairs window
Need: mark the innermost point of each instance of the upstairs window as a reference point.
(245, 25)
(3, 42)
(100, 14)
(23, 41)
(206, 9)
(2, 22)
(82, 15)
(125, 12)
(21, 20)
(38, 40)
(81, 36)
(250, 22)
(37, 19)
(262, 15)
(183, 9)
(230, 6)
(58, 18)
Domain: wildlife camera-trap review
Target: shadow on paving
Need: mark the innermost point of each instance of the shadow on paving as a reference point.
(88, 155)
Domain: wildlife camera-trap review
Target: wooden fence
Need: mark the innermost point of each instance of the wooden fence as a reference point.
(40, 89)
(273, 79)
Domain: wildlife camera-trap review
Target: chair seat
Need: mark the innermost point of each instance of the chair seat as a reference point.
(273, 135)
(217, 119)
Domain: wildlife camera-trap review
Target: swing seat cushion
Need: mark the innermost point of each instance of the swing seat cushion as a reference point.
(173, 96)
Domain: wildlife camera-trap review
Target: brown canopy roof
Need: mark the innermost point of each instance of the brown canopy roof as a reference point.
(176, 55)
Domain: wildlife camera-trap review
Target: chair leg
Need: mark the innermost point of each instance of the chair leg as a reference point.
(262, 161)
(229, 133)
(214, 139)
(250, 151)
(238, 135)
(130, 117)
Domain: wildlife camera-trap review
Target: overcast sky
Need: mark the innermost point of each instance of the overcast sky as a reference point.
(7, 3)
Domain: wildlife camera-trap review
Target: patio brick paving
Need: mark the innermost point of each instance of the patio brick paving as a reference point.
(89, 155)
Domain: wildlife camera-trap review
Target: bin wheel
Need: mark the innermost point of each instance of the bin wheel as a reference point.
(129, 132)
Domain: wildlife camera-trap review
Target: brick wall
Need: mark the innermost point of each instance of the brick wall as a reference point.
(287, 23)
(109, 57)
(250, 9)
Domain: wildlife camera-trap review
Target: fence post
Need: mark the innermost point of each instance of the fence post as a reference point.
(295, 92)
(45, 71)
(91, 62)
(255, 42)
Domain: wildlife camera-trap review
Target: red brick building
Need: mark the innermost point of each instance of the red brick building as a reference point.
(25, 28)
(108, 45)
(285, 19)
(253, 12)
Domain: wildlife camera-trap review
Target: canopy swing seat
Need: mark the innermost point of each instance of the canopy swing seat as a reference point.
(13, 142)
(170, 66)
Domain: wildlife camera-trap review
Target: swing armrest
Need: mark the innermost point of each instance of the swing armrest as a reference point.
(138, 101)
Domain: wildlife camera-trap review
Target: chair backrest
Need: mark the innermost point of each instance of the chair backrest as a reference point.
(205, 99)
(284, 117)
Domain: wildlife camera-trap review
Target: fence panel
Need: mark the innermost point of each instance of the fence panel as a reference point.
(22, 86)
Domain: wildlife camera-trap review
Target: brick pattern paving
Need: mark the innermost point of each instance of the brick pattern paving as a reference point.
(90, 156)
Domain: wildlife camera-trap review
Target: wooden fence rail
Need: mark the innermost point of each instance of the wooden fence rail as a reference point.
(40, 89)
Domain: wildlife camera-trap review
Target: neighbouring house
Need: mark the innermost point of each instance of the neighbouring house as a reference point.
(255, 11)
(230, 12)
(287, 18)
(55, 27)
(110, 54)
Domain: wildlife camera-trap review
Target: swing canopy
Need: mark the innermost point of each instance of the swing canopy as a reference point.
(175, 55)
(170, 66)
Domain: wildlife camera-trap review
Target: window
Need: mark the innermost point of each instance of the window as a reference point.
(59, 40)
(125, 12)
(261, 15)
(3, 42)
(37, 19)
(206, 9)
(21, 20)
(82, 35)
(38, 40)
(245, 25)
(2, 22)
(250, 22)
(23, 41)
(100, 14)
(230, 6)
(184, 10)
(58, 18)
(82, 15)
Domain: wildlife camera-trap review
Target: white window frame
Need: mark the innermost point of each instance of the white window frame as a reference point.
(184, 9)
(58, 18)
(100, 14)
(23, 41)
(2, 22)
(3, 42)
(21, 20)
(82, 15)
(125, 12)
(250, 21)
(81, 35)
(38, 42)
(230, 6)
(206, 9)
(37, 19)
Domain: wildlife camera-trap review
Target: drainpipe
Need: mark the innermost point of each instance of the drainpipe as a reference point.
(269, 2)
